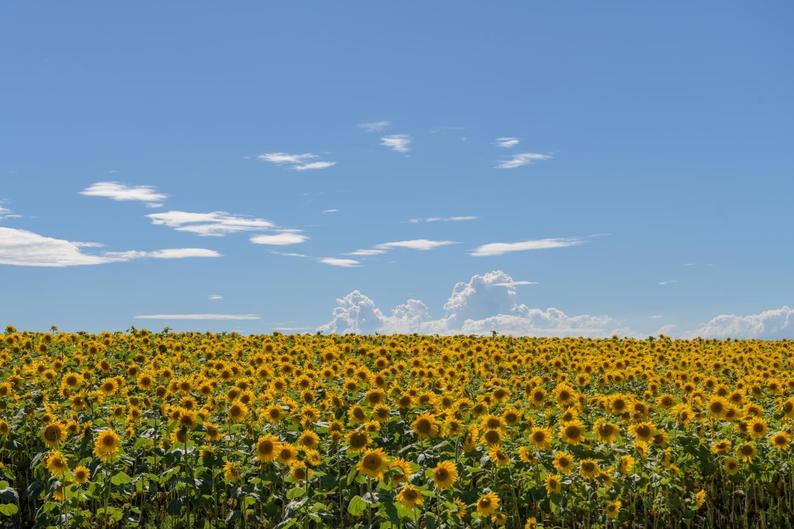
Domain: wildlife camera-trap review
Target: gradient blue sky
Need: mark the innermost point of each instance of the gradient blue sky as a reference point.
(658, 136)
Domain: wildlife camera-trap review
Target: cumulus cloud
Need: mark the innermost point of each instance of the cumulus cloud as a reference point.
(500, 248)
(374, 126)
(26, 248)
(199, 317)
(397, 142)
(411, 244)
(300, 162)
(506, 142)
(522, 159)
(212, 224)
(124, 193)
(484, 304)
(768, 324)
(459, 218)
(340, 262)
(284, 238)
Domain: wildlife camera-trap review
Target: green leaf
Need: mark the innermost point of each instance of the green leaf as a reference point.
(9, 509)
(295, 492)
(357, 506)
(121, 478)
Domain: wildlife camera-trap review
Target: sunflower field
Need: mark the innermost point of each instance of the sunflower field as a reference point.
(201, 430)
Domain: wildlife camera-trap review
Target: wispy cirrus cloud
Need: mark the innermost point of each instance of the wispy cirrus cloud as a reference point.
(411, 244)
(506, 142)
(6, 213)
(284, 238)
(397, 142)
(374, 126)
(522, 159)
(124, 193)
(211, 224)
(667, 282)
(199, 317)
(215, 297)
(27, 248)
(501, 248)
(340, 262)
(299, 162)
(459, 218)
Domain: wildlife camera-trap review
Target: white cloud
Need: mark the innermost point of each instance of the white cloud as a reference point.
(214, 223)
(6, 213)
(329, 211)
(768, 324)
(479, 306)
(412, 244)
(506, 142)
(667, 282)
(314, 165)
(215, 297)
(289, 254)
(26, 248)
(374, 126)
(522, 159)
(336, 261)
(397, 142)
(124, 193)
(284, 238)
(459, 218)
(366, 252)
(199, 316)
(299, 162)
(500, 248)
(516, 284)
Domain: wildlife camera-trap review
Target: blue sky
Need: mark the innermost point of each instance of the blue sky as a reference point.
(635, 158)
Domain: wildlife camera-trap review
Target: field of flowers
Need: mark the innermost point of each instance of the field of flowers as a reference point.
(207, 430)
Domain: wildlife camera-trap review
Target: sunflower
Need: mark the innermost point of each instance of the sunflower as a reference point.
(731, 465)
(572, 432)
(286, 453)
(373, 463)
(613, 509)
(298, 471)
(606, 432)
(746, 451)
(56, 463)
(409, 496)
(498, 518)
(757, 427)
(400, 471)
(588, 468)
(553, 483)
(425, 426)
(231, 472)
(53, 434)
(780, 440)
(237, 411)
(445, 474)
(563, 462)
(81, 474)
(488, 504)
(309, 439)
(643, 431)
(499, 457)
(357, 440)
(532, 523)
(625, 464)
(540, 438)
(106, 445)
(267, 448)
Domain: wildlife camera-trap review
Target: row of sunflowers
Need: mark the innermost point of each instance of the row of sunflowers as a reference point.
(201, 430)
